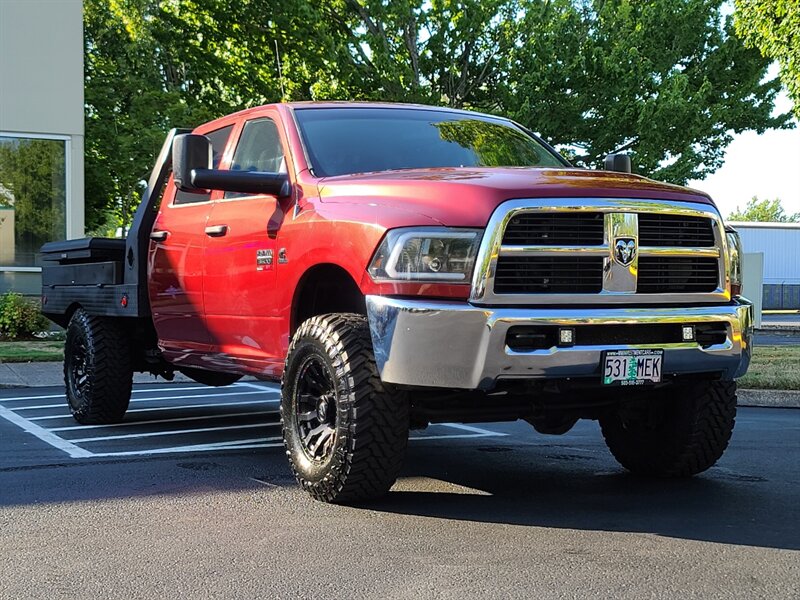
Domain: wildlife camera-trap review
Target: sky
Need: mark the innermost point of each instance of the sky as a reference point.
(766, 165)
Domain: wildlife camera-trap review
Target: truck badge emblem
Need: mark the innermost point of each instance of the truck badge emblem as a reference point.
(625, 251)
(282, 256)
(263, 259)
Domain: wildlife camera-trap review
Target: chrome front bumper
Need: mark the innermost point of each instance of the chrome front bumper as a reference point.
(459, 345)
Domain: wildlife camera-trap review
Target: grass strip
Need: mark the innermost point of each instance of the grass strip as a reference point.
(31, 351)
(773, 368)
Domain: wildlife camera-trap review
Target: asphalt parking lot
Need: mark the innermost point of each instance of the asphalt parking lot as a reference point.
(191, 497)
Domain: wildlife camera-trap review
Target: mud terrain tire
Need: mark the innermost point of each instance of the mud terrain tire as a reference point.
(678, 432)
(345, 432)
(98, 370)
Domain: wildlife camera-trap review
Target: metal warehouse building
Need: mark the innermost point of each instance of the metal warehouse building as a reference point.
(780, 245)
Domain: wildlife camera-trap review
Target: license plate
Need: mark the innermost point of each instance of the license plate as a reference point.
(632, 367)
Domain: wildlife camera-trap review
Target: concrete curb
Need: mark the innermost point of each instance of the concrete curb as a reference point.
(769, 398)
(781, 328)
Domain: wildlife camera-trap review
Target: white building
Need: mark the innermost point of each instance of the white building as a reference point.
(780, 245)
(41, 133)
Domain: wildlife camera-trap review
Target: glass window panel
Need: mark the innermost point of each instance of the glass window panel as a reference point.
(33, 193)
(259, 149)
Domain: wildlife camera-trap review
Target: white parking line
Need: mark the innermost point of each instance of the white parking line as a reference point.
(176, 407)
(159, 398)
(173, 420)
(238, 445)
(471, 428)
(72, 448)
(131, 436)
(273, 387)
(151, 391)
(43, 434)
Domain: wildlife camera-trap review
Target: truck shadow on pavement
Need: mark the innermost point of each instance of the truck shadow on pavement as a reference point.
(561, 488)
(571, 484)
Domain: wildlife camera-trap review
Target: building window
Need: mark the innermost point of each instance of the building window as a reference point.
(33, 197)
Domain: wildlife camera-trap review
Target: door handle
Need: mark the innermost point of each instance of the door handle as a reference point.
(159, 236)
(216, 230)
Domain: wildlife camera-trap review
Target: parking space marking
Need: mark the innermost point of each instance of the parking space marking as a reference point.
(133, 436)
(159, 398)
(43, 434)
(238, 445)
(175, 407)
(471, 428)
(135, 391)
(112, 440)
(156, 421)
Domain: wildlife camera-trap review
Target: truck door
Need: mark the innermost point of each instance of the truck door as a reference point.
(241, 255)
(175, 267)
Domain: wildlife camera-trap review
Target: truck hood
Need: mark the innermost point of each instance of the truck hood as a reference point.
(466, 197)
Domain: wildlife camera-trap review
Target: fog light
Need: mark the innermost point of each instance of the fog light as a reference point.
(566, 336)
(688, 333)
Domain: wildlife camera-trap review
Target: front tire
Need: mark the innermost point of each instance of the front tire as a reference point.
(345, 432)
(680, 431)
(98, 369)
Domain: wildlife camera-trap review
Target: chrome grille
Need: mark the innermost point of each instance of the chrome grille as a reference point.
(677, 275)
(549, 275)
(562, 251)
(555, 229)
(675, 231)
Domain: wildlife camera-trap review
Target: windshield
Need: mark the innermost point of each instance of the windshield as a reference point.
(342, 141)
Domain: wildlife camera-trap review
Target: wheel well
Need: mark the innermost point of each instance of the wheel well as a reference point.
(62, 319)
(326, 289)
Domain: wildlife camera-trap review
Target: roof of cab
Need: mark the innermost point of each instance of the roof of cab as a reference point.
(326, 104)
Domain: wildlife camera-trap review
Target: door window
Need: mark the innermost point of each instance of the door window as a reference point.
(218, 139)
(259, 149)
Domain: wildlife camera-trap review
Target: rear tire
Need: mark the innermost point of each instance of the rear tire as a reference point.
(98, 369)
(345, 432)
(680, 431)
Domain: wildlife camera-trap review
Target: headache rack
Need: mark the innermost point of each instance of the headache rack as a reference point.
(106, 276)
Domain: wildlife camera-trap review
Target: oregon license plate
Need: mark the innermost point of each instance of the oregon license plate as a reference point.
(632, 367)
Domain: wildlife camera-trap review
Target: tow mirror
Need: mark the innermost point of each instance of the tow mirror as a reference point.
(190, 152)
(618, 162)
(192, 159)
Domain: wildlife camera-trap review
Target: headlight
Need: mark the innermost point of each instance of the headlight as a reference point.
(426, 254)
(735, 254)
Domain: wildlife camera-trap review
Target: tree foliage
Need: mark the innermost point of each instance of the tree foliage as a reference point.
(665, 80)
(769, 211)
(773, 26)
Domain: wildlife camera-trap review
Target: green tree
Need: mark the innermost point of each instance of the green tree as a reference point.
(152, 65)
(765, 210)
(664, 79)
(773, 26)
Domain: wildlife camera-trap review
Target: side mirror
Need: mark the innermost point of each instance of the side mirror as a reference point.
(190, 152)
(192, 159)
(618, 162)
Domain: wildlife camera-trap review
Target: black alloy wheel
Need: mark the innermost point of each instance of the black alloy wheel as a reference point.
(76, 371)
(316, 408)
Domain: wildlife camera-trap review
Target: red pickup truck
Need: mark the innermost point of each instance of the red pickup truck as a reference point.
(395, 266)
